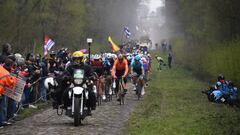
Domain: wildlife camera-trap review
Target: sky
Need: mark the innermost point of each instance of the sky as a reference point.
(154, 4)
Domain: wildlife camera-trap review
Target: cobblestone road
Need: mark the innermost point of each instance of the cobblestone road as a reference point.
(107, 119)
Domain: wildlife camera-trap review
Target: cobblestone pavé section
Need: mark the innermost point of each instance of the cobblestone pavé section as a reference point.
(107, 119)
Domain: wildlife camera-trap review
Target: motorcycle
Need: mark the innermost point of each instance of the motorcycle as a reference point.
(76, 97)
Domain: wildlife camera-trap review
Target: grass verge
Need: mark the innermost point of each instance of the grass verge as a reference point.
(174, 105)
(31, 111)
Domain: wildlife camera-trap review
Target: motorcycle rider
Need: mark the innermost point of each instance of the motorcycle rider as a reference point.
(78, 63)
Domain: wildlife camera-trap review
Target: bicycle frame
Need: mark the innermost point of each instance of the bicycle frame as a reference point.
(120, 91)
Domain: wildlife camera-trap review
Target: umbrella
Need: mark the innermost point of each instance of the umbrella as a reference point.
(83, 50)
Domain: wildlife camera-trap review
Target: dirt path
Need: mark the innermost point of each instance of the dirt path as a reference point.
(107, 119)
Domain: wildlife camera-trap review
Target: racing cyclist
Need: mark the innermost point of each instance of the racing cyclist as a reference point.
(120, 70)
(137, 70)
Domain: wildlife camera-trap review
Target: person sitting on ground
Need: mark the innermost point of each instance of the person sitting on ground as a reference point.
(216, 94)
(233, 94)
(224, 86)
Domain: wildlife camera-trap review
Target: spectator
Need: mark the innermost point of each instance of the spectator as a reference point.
(6, 51)
(170, 60)
(7, 81)
(160, 62)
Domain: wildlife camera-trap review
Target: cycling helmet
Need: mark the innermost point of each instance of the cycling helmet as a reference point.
(109, 55)
(230, 84)
(20, 61)
(129, 57)
(97, 57)
(78, 57)
(220, 77)
(17, 55)
(144, 59)
(120, 57)
(218, 85)
(137, 58)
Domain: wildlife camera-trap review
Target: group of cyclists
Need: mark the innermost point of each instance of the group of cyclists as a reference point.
(223, 91)
(107, 68)
(112, 67)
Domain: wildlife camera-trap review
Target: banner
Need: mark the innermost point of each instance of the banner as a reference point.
(16, 93)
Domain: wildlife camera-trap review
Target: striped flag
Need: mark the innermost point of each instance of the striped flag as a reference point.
(126, 32)
(48, 44)
(114, 47)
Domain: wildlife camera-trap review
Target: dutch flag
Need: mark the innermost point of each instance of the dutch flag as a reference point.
(48, 44)
(126, 32)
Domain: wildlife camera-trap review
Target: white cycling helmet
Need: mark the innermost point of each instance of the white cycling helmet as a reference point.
(17, 55)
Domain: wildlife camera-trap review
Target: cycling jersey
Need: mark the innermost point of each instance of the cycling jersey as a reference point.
(137, 67)
(217, 94)
(107, 66)
(97, 66)
(120, 67)
(224, 88)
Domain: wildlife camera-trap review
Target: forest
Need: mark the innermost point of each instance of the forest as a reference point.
(205, 35)
(23, 23)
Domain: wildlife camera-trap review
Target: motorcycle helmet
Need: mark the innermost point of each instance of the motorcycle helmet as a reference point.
(50, 81)
(78, 57)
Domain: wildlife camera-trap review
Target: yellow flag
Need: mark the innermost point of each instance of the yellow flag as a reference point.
(114, 47)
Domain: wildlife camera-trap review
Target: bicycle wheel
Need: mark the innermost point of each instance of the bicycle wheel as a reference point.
(139, 90)
(99, 100)
(123, 99)
(107, 90)
(120, 92)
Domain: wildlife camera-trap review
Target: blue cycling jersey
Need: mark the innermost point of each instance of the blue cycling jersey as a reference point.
(224, 88)
(217, 94)
(135, 65)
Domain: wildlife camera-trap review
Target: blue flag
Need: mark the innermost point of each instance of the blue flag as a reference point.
(126, 31)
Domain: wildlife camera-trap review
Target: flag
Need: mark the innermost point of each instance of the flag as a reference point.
(48, 44)
(114, 47)
(126, 31)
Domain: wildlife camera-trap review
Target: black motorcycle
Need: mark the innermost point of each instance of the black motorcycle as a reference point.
(76, 97)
